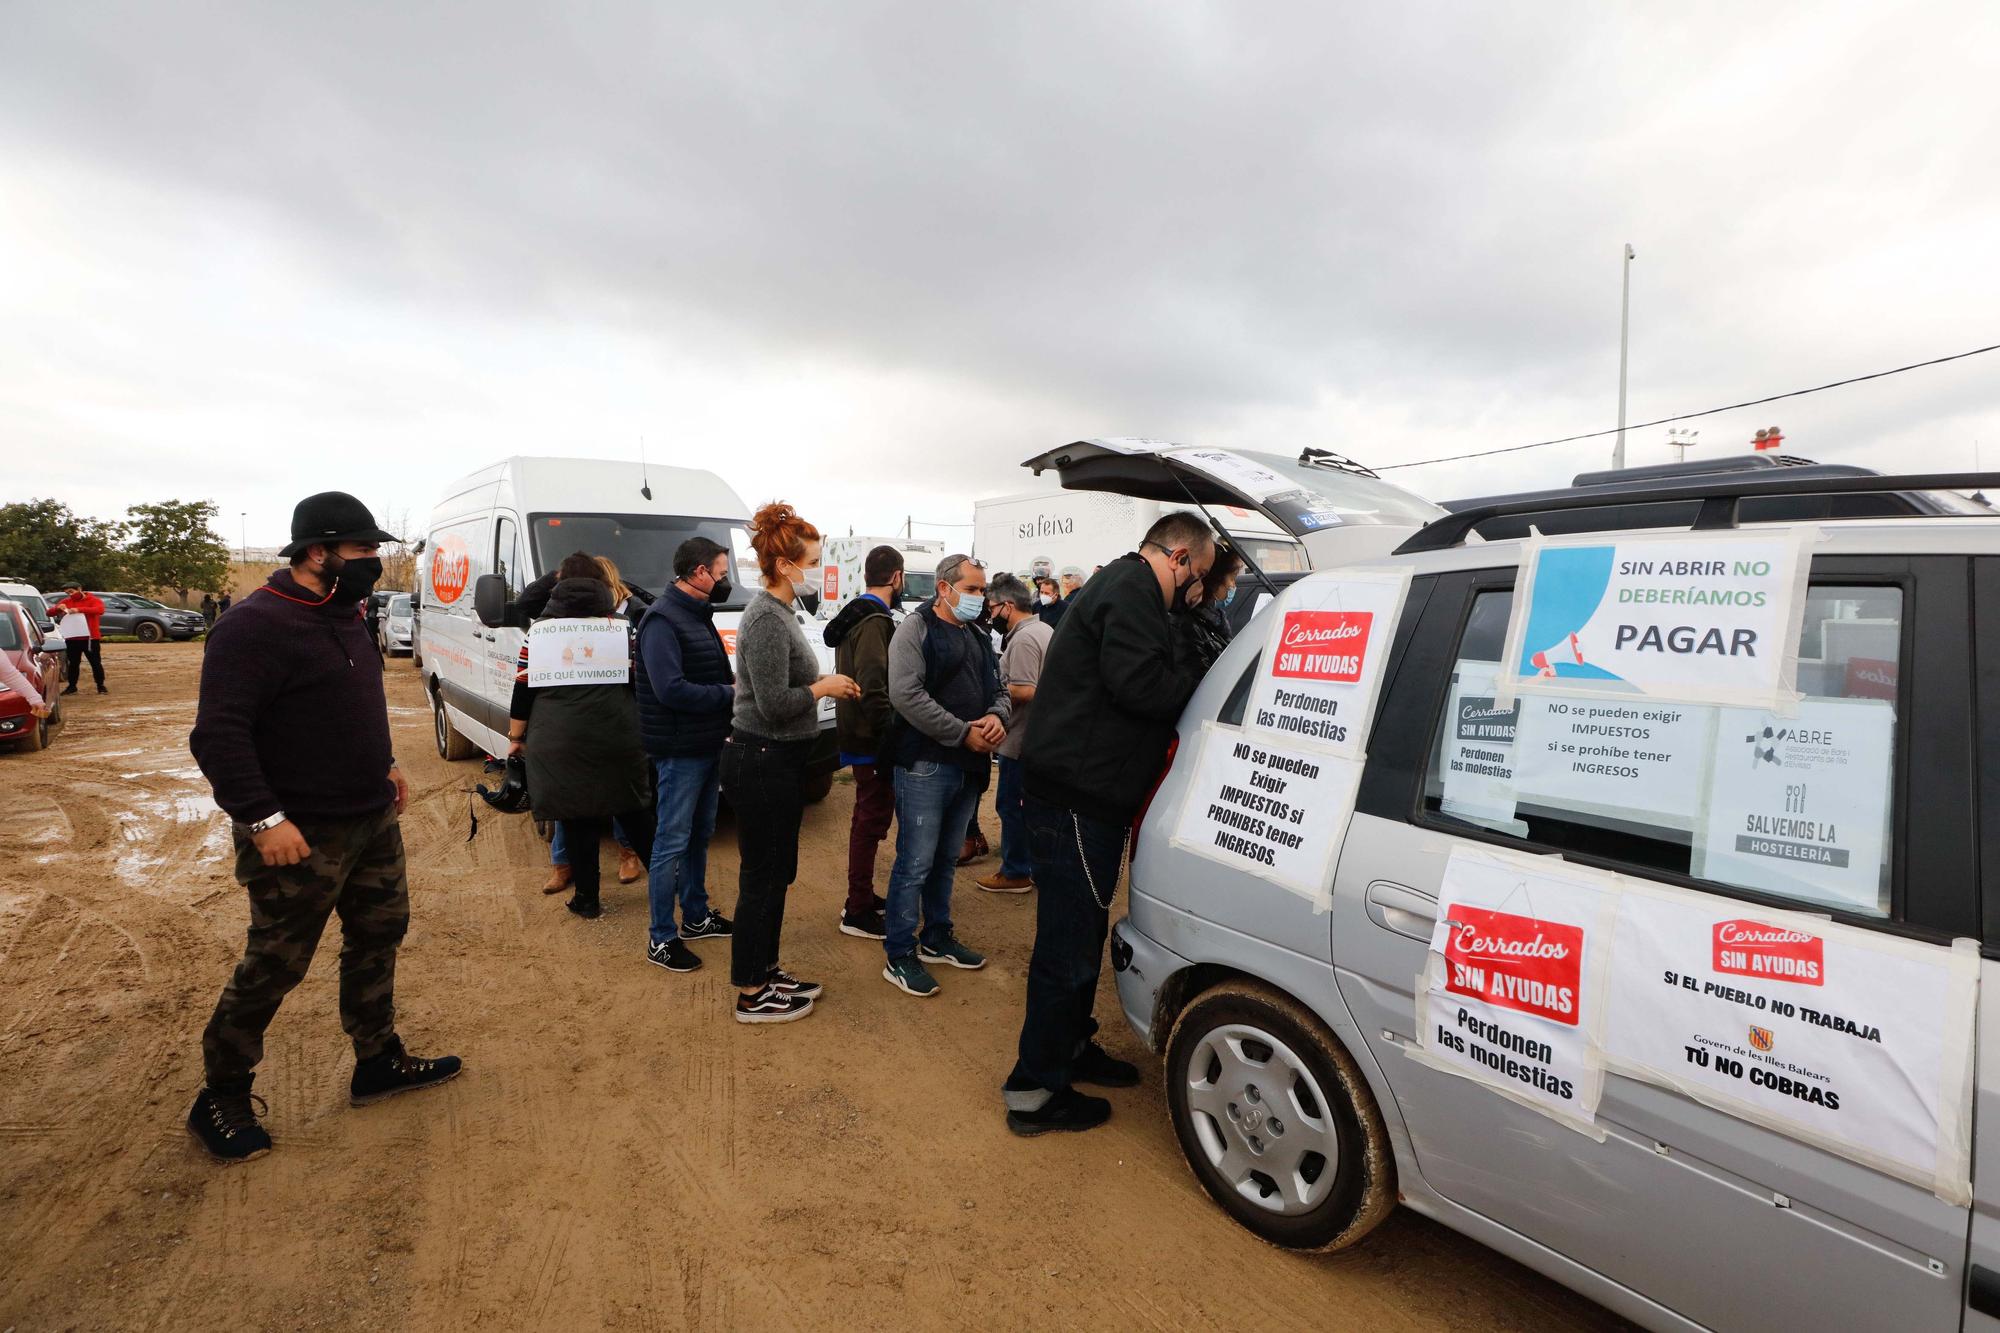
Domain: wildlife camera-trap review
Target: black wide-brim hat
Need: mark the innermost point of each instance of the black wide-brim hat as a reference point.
(330, 517)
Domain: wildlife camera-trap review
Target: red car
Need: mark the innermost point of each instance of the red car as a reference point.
(20, 645)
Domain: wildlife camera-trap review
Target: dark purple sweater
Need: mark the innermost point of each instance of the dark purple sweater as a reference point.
(292, 715)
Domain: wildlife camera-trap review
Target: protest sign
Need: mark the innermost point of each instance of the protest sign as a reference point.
(1272, 810)
(1616, 759)
(1477, 764)
(578, 651)
(1509, 996)
(1698, 617)
(1800, 806)
(1323, 660)
(1852, 1040)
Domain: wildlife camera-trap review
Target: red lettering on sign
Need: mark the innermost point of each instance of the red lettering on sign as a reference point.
(830, 582)
(1870, 678)
(729, 642)
(1515, 962)
(1323, 645)
(1769, 953)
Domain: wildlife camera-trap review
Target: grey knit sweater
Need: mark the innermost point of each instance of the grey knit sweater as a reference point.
(775, 667)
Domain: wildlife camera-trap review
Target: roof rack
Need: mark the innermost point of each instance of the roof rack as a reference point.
(1718, 498)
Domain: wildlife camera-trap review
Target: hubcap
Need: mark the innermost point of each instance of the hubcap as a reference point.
(1262, 1120)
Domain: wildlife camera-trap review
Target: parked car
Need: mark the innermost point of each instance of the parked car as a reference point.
(147, 620)
(21, 641)
(1290, 1031)
(31, 601)
(396, 634)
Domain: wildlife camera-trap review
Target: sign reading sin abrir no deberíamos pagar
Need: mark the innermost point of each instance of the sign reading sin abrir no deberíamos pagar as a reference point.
(1700, 618)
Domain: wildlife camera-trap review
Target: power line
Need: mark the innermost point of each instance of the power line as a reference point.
(1690, 416)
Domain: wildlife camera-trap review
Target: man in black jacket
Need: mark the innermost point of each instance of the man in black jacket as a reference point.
(859, 637)
(292, 733)
(1104, 715)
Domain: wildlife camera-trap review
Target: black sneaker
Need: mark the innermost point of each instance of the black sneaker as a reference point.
(70, 690)
(102, 690)
(1099, 1068)
(949, 950)
(673, 956)
(589, 911)
(225, 1123)
(771, 1005)
(1067, 1110)
(870, 925)
(714, 926)
(395, 1071)
(791, 985)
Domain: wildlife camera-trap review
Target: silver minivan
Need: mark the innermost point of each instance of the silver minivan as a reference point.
(1286, 1032)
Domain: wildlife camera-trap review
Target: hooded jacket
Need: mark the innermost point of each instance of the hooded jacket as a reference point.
(1111, 690)
(859, 637)
(583, 755)
(291, 714)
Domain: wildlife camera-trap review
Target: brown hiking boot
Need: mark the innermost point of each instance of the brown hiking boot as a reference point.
(558, 880)
(629, 868)
(998, 882)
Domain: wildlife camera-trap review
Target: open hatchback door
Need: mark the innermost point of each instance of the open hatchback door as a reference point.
(1338, 511)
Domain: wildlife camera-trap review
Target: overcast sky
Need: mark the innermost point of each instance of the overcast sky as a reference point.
(868, 257)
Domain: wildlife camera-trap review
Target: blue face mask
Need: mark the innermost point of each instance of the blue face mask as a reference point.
(1229, 597)
(968, 606)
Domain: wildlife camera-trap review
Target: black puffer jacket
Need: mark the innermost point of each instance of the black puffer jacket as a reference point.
(583, 753)
(1112, 687)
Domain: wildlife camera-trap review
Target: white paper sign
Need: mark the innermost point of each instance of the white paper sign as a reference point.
(1272, 810)
(1235, 471)
(1512, 984)
(1478, 760)
(1698, 617)
(73, 625)
(1800, 805)
(1322, 664)
(1619, 759)
(579, 651)
(1852, 1040)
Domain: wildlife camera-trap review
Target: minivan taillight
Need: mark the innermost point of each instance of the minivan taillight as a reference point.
(1173, 747)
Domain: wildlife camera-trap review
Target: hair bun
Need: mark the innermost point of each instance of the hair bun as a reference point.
(773, 516)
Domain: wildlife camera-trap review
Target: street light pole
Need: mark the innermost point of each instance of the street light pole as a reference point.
(1624, 338)
(243, 517)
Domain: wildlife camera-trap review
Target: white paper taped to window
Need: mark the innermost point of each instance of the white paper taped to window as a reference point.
(1269, 809)
(1321, 670)
(1696, 617)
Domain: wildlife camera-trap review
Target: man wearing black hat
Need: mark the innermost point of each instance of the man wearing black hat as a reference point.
(292, 733)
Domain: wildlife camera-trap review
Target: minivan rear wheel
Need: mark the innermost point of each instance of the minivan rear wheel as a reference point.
(451, 745)
(1276, 1121)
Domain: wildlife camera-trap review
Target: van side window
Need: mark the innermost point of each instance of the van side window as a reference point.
(1798, 808)
(504, 563)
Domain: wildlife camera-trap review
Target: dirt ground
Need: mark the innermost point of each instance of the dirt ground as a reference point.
(618, 1154)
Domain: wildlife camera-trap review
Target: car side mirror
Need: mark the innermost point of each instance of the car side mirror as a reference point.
(489, 600)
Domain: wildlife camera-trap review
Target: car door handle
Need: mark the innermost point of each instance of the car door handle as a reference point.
(1403, 910)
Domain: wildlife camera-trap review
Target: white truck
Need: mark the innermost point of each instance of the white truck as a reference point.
(516, 519)
(1045, 532)
(842, 561)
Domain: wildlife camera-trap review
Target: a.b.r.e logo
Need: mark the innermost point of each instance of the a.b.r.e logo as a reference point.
(1323, 645)
(451, 568)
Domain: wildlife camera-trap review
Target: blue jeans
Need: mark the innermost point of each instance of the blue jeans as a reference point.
(1013, 821)
(1069, 945)
(559, 845)
(688, 790)
(934, 803)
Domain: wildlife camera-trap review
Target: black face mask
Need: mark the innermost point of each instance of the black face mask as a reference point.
(720, 592)
(1180, 601)
(354, 580)
(895, 597)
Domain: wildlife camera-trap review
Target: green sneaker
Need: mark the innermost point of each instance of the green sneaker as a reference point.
(908, 975)
(952, 952)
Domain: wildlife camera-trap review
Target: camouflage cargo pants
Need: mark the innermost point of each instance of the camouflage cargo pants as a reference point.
(356, 869)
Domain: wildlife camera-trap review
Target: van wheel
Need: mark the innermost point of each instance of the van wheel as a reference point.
(815, 786)
(149, 631)
(450, 744)
(1276, 1121)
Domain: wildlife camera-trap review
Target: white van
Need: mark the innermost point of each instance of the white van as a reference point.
(843, 562)
(517, 519)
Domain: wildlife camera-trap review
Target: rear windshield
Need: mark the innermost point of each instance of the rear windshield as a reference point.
(642, 546)
(1329, 497)
(399, 605)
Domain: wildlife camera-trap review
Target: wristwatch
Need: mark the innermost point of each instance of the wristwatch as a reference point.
(266, 825)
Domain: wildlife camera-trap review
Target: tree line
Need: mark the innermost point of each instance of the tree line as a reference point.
(165, 547)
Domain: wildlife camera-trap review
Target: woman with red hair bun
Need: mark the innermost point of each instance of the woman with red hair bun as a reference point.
(778, 689)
